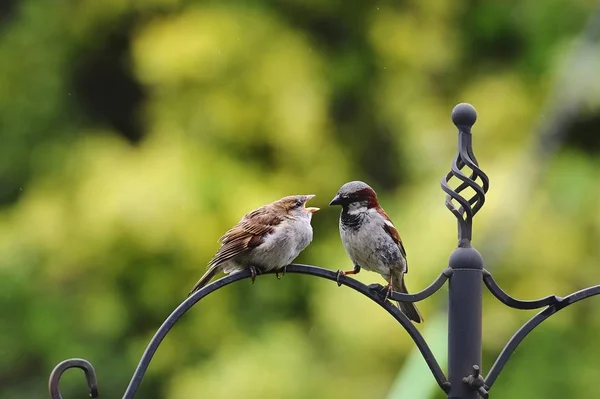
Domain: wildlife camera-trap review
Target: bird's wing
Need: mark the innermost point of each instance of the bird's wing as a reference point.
(247, 234)
(388, 226)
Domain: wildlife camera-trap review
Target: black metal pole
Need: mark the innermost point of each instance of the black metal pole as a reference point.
(466, 280)
(464, 320)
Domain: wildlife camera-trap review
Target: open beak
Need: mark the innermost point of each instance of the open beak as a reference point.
(337, 200)
(311, 209)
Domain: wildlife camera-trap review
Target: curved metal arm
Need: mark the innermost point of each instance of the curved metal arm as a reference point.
(301, 269)
(530, 325)
(508, 300)
(88, 369)
(417, 296)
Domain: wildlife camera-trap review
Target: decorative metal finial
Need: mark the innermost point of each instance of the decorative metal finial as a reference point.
(464, 114)
(464, 207)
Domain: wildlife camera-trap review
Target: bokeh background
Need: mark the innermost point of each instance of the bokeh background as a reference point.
(134, 133)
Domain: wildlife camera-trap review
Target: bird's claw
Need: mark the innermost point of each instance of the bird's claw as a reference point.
(253, 273)
(388, 291)
(339, 274)
(381, 290)
(282, 273)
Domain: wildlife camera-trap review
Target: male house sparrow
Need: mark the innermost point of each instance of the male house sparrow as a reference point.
(371, 240)
(267, 238)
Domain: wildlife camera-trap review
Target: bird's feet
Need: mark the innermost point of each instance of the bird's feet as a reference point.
(388, 289)
(382, 291)
(254, 271)
(282, 273)
(340, 273)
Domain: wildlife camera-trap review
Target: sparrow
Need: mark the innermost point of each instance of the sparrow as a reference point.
(371, 240)
(265, 239)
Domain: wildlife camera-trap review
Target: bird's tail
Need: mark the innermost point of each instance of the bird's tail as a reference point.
(210, 273)
(408, 308)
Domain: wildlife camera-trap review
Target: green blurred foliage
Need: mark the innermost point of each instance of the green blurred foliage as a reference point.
(134, 133)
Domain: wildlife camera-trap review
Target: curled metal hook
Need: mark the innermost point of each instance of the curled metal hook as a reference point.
(88, 369)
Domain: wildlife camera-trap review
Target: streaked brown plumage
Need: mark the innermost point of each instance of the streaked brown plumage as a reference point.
(267, 238)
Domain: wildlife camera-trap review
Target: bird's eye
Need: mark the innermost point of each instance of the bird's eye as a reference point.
(299, 203)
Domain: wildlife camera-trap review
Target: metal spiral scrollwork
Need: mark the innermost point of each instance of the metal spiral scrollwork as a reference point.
(464, 117)
(465, 294)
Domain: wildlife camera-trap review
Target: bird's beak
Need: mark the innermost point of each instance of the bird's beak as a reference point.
(337, 200)
(311, 209)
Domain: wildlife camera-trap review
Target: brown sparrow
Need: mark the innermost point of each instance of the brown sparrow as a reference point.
(266, 239)
(371, 240)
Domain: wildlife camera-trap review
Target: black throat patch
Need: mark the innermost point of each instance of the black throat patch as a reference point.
(351, 221)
